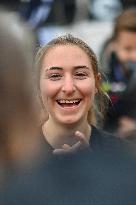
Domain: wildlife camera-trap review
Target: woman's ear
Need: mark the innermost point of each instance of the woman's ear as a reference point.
(98, 77)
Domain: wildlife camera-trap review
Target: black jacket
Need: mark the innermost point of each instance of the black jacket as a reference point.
(101, 175)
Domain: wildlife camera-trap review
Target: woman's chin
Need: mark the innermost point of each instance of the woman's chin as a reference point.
(69, 120)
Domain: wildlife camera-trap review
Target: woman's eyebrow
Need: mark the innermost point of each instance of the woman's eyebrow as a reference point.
(54, 68)
(60, 68)
(81, 66)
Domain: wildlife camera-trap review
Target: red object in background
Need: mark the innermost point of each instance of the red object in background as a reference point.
(114, 98)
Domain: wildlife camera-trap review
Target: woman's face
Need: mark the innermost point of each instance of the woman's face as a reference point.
(67, 84)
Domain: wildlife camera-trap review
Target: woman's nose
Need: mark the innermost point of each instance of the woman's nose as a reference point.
(68, 86)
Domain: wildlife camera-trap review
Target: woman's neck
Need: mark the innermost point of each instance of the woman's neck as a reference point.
(58, 134)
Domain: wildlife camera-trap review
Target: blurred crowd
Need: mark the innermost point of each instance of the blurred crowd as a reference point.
(51, 13)
(22, 152)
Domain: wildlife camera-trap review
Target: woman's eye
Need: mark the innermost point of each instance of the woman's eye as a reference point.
(81, 75)
(55, 76)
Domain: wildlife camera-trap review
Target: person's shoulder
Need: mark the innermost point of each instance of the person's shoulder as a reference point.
(102, 135)
(113, 144)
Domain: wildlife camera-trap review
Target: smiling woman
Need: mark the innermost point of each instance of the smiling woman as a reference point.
(69, 82)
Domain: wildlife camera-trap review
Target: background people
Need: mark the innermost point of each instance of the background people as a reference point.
(119, 60)
(127, 113)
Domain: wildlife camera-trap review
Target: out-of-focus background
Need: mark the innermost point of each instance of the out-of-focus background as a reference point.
(92, 20)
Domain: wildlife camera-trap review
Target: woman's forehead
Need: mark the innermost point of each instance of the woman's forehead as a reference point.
(67, 46)
(66, 56)
(67, 52)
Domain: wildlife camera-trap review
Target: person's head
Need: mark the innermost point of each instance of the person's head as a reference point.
(68, 80)
(17, 106)
(125, 35)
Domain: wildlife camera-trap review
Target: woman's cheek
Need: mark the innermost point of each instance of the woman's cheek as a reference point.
(88, 88)
(50, 89)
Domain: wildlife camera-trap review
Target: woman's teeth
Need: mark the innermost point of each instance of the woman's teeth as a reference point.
(69, 102)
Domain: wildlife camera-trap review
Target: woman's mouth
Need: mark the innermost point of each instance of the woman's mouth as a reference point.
(68, 102)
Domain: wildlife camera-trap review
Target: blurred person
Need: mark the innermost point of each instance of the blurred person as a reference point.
(118, 53)
(40, 13)
(127, 113)
(35, 12)
(19, 145)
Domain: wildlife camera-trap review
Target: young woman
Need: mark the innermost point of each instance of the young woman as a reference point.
(69, 82)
